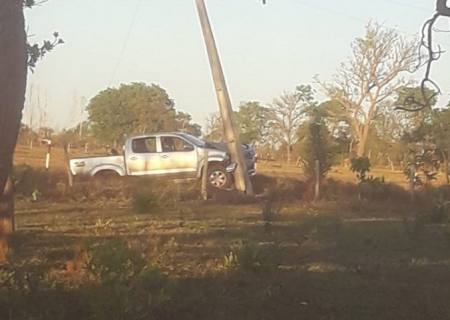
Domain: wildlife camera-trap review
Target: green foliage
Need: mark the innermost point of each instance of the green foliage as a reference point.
(252, 120)
(423, 164)
(361, 166)
(38, 51)
(316, 143)
(135, 108)
(34, 184)
(412, 97)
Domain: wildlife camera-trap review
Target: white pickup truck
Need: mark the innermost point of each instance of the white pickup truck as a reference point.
(167, 154)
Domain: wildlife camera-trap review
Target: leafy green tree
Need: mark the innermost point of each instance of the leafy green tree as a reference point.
(339, 127)
(134, 108)
(405, 98)
(253, 122)
(316, 143)
(436, 131)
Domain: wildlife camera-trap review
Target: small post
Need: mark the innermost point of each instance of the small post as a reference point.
(412, 182)
(48, 143)
(205, 176)
(67, 165)
(317, 181)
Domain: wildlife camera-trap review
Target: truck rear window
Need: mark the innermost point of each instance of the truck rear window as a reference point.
(144, 145)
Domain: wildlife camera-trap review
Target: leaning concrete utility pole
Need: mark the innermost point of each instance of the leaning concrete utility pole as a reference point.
(242, 178)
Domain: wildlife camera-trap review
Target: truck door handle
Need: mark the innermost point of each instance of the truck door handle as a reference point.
(133, 158)
(165, 156)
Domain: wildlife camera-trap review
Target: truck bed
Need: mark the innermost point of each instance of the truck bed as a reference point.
(89, 165)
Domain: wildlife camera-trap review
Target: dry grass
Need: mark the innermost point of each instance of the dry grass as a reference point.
(329, 263)
(340, 258)
(340, 173)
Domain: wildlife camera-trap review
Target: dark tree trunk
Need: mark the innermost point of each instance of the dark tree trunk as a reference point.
(445, 155)
(13, 77)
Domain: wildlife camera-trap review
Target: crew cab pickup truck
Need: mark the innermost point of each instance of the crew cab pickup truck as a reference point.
(167, 154)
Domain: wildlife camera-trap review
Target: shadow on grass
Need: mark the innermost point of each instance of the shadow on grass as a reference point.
(327, 269)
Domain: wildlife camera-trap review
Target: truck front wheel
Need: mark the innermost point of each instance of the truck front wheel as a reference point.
(218, 177)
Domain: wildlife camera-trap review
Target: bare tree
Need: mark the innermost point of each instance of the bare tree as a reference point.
(371, 77)
(288, 112)
(214, 128)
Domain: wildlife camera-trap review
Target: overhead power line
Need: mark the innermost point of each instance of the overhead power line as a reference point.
(125, 42)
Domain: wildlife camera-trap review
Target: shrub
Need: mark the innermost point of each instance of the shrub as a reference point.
(29, 180)
(361, 166)
(316, 144)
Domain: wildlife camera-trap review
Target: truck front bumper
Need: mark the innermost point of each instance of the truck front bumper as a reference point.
(231, 168)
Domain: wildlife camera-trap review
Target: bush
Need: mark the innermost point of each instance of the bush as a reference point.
(361, 166)
(316, 144)
(29, 181)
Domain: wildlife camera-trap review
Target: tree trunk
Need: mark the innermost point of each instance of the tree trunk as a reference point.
(361, 151)
(391, 163)
(350, 149)
(6, 219)
(288, 153)
(13, 76)
(445, 155)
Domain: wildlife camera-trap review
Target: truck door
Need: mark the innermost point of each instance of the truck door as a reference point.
(178, 156)
(143, 159)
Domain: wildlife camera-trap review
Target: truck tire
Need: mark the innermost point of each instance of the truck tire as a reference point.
(106, 174)
(218, 177)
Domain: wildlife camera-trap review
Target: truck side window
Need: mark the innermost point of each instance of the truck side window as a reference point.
(174, 144)
(144, 145)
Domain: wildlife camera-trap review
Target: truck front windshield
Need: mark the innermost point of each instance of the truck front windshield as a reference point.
(196, 141)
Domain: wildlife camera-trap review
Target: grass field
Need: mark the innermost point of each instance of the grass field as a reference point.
(80, 256)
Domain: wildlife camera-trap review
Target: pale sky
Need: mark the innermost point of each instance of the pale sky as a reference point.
(265, 49)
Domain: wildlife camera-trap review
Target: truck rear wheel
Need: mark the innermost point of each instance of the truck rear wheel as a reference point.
(218, 177)
(106, 174)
